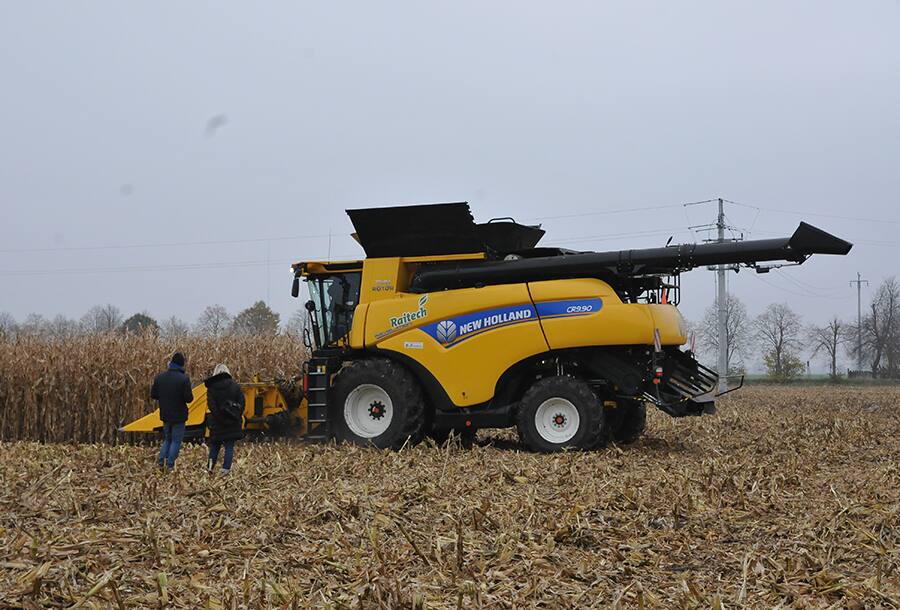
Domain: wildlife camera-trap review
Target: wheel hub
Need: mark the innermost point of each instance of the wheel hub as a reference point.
(376, 409)
(557, 420)
(368, 411)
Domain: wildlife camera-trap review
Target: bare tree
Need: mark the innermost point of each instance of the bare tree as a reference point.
(34, 325)
(102, 319)
(881, 329)
(297, 324)
(213, 322)
(173, 328)
(829, 339)
(8, 326)
(738, 331)
(62, 328)
(778, 331)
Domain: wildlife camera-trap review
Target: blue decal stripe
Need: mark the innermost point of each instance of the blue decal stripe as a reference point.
(568, 308)
(451, 331)
(566, 315)
(459, 340)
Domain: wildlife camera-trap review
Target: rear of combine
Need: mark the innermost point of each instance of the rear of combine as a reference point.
(449, 325)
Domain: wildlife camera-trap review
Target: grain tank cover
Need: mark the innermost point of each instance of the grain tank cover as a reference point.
(436, 229)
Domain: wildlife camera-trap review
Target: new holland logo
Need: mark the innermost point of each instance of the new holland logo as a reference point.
(446, 331)
(452, 331)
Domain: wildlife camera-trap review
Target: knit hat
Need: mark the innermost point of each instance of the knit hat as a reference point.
(221, 368)
(178, 358)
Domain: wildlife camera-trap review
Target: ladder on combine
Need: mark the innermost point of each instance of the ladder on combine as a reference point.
(320, 370)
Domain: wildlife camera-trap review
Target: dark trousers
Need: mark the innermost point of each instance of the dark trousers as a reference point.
(214, 447)
(173, 434)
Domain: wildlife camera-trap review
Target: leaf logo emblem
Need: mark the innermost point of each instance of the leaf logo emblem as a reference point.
(446, 331)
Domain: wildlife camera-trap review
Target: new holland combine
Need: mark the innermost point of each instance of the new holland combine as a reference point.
(448, 325)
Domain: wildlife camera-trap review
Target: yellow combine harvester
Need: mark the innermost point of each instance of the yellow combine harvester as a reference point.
(452, 325)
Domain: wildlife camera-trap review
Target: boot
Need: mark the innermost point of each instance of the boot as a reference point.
(210, 466)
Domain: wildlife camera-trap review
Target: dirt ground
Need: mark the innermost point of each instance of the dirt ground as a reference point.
(786, 498)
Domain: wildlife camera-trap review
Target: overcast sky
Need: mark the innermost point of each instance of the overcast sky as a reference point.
(133, 132)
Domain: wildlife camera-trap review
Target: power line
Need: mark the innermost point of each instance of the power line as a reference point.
(607, 212)
(173, 267)
(821, 214)
(133, 268)
(161, 244)
(805, 294)
(810, 290)
(329, 235)
(611, 236)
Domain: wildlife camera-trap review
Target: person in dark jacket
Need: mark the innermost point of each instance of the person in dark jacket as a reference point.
(172, 388)
(225, 417)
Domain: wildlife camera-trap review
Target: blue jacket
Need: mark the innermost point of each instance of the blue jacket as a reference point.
(172, 389)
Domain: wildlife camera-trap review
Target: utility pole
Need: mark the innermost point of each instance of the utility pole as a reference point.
(859, 282)
(720, 276)
(268, 267)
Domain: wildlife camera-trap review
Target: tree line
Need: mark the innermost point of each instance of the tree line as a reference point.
(778, 335)
(785, 344)
(215, 321)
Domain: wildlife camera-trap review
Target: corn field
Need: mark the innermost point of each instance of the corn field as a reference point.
(788, 498)
(84, 388)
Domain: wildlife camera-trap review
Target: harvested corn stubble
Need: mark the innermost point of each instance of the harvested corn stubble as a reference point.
(789, 497)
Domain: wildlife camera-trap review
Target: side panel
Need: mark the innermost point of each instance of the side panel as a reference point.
(381, 279)
(670, 322)
(387, 278)
(357, 335)
(466, 338)
(588, 312)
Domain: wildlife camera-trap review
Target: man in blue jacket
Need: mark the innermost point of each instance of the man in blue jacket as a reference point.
(172, 388)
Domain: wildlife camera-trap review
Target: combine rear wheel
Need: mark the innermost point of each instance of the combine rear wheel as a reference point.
(560, 413)
(377, 402)
(627, 421)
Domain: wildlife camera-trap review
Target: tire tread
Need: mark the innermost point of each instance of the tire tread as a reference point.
(386, 372)
(595, 435)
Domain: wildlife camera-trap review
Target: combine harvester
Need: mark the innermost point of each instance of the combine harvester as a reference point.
(449, 325)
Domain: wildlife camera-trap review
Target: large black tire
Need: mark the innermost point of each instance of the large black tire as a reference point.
(404, 403)
(627, 421)
(562, 394)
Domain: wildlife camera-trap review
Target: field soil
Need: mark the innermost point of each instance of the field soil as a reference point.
(787, 498)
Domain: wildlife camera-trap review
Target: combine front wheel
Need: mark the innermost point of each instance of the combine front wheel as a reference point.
(560, 413)
(377, 402)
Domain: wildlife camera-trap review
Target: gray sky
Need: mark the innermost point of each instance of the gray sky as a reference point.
(538, 110)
